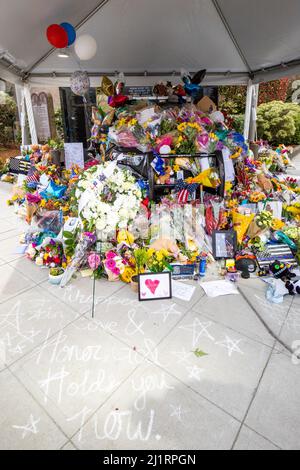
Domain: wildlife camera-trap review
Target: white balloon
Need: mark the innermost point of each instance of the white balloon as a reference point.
(86, 47)
(165, 150)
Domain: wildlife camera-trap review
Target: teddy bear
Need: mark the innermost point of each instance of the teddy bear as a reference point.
(170, 246)
(293, 287)
(166, 178)
(281, 271)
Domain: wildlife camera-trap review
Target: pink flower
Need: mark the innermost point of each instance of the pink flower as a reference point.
(116, 271)
(110, 255)
(110, 264)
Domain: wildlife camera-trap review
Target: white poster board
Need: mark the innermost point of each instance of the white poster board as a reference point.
(74, 155)
(228, 165)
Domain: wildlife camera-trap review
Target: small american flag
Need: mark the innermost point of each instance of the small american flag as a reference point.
(32, 175)
(184, 190)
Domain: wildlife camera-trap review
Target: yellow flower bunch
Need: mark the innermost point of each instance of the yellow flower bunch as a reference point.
(232, 203)
(237, 154)
(125, 237)
(182, 126)
(127, 274)
(294, 210)
(257, 196)
(157, 260)
(277, 224)
(213, 136)
(133, 122)
(122, 122)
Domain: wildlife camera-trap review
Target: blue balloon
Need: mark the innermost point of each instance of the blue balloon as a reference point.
(70, 30)
(53, 191)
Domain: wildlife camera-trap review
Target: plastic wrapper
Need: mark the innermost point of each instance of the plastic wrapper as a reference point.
(48, 221)
(80, 256)
(241, 224)
(214, 216)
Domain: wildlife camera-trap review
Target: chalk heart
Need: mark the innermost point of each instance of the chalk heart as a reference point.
(152, 285)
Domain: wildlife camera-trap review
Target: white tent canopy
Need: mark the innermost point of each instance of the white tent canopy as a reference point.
(236, 41)
(233, 39)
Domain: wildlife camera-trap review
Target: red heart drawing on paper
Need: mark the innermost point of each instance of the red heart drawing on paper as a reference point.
(152, 285)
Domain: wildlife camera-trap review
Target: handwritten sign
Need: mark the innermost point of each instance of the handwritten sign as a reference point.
(74, 155)
(139, 90)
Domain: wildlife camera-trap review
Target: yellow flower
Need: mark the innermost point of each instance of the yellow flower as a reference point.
(150, 252)
(176, 168)
(228, 186)
(181, 127)
(237, 153)
(293, 210)
(125, 237)
(277, 224)
(133, 122)
(127, 274)
(122, 122)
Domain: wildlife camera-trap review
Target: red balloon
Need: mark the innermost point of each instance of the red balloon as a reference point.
(57, 36)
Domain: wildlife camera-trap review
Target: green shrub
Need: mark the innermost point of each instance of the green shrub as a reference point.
(238, 122)
(279, 122)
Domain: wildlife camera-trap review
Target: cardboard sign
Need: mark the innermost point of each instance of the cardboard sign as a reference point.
(74, 155)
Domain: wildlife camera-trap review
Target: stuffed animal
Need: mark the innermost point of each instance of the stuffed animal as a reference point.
(293, 287)
(170, 246)
(281, 271)
(166, 178)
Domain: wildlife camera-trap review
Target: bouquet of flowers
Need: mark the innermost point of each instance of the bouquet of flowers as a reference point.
(108, 199)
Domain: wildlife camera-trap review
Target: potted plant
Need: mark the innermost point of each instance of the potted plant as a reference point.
(140, 257)
(57, 147)
(56, 275)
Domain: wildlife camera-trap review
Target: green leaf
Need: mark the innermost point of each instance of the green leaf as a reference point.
(199, 353)
(69, 242)
(68, 234)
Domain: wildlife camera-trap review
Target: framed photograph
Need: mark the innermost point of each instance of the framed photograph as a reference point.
(224, 244)
(154, 286)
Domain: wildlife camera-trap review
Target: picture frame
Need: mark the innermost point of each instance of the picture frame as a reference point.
(224, 244)
(155, 286)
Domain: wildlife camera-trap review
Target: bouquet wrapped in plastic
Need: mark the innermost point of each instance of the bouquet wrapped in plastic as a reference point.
(85, 243)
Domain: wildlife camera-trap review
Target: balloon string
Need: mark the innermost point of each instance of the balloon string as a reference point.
(77, 61)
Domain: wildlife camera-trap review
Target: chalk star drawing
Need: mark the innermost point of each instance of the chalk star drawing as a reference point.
(195, 372)
(231, 345)
(167, 311)
(177, 412)
(182, 356)
(198, 329)
(31, 427)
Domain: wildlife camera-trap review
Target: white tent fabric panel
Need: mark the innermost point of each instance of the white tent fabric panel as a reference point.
(23, 24)
(267, 31)
(237, 36)
(156, 35)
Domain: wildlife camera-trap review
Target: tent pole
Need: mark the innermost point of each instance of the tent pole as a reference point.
(248, 110)
(253, 118)
(29, 108)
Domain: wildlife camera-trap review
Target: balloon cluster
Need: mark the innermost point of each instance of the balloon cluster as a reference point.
(114, 92)
(64, 35)
(61, 36)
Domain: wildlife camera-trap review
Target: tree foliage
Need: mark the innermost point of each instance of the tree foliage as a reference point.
(8, 112)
